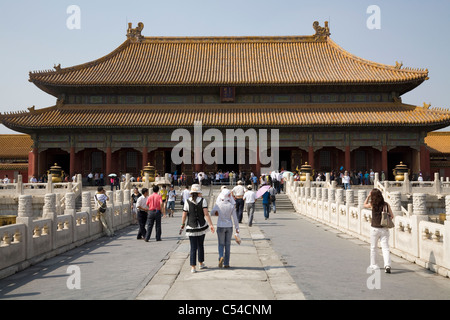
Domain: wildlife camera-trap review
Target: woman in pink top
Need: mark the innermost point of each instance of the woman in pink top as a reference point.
(154, 203)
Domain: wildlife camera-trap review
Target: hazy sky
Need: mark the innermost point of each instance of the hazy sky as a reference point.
(34, 35)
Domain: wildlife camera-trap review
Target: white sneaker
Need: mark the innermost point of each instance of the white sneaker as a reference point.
(203, 266)
(193, 270)
(374, 267)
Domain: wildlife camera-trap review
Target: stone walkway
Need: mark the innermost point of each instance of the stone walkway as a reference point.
(256, 272)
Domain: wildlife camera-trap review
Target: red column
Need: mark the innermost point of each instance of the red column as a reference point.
(384, 160)
(425, 167)
(32, 163)
(144, 156)
(311, 157)
(108, 160)
(72, 161)
(347, 158)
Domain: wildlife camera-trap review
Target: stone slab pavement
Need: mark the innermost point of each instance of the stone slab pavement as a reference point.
(256, 272)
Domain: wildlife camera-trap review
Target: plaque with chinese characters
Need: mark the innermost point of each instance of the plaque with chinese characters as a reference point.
(227, 94)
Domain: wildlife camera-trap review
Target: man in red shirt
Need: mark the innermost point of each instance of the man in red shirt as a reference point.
(155, 204)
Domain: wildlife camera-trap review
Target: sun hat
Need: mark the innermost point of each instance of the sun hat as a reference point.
(195, 188)
(224, 195)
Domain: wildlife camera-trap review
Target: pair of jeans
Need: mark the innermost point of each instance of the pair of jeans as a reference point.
(250, 212)
(154, 218)
(106, 228)
(274, 206)
(266, 207)
(197, 248)
(142, 220)
(381, 234)
(224, 238)
(239, 209)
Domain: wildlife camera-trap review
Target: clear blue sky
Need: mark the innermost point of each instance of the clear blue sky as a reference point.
(34, 35)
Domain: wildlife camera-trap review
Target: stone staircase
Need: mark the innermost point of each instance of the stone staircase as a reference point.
(282, 203)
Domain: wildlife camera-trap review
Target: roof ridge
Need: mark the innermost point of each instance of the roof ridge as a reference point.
(231, 39)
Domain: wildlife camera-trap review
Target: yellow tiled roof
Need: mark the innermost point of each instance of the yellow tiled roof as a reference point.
(290, 60)
(227, 115)
(15, 146)
(438, 142)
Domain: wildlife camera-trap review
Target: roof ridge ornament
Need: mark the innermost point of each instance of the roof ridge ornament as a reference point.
(134, 34)
(321, 32)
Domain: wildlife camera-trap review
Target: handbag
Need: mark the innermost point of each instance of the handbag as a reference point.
(102, 205)
(237, 238)
(386, 220)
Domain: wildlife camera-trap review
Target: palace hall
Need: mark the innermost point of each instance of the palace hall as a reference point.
(332, 108)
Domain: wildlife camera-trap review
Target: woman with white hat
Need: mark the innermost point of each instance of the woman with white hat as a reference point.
(226, 211)
(195, 209)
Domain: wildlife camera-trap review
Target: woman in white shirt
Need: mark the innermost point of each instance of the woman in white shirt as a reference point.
(227, 216)
(195, 210)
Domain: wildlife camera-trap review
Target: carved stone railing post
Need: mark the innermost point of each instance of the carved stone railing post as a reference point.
(25, 216)
(376, 179)
(118, 202)
(319, 194)
(19, 188)
(395, 200)
(437, 183)
(147, 182)
(69, 202)
(332, 194)
(313, 193)
(325, 194)
(419, 214)
(49, 212)
(406, 183)
(308, 180)
(447, 208)
(362, 195)
(86, 202)
(349, 197)
(49, 184)
(419, 203)
(110, 201)
(327, 178)
(307, 192)
(446, 241)
(69, 209)
(339, 196)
